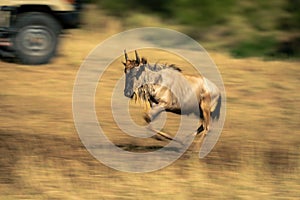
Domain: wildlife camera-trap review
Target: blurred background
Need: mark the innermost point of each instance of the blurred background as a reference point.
(255, 45)
(243, 28)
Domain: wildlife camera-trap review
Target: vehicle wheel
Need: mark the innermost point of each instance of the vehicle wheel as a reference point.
(36, 38)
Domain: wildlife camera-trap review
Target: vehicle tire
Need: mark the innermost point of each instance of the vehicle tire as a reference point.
(36, 39)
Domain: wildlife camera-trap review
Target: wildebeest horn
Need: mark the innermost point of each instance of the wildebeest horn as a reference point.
(126, 56)
(137, 57)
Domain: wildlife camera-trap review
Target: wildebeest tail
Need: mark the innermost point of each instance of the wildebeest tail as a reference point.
(215, 114)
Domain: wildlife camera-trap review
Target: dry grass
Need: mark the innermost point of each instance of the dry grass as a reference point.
(257, 156)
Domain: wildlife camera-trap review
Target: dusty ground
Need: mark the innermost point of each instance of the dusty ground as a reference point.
(42, 157)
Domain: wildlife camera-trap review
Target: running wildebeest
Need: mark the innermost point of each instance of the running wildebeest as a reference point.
(156, 85)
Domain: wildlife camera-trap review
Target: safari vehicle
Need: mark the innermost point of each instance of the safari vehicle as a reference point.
(30, 29)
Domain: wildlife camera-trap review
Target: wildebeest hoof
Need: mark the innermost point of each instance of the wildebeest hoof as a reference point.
(200, 129)
(147, 119)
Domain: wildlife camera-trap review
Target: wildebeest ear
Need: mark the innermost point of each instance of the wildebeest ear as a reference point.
(144, 60)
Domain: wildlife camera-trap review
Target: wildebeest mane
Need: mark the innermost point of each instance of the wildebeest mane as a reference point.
(158, 67)
(143, 96)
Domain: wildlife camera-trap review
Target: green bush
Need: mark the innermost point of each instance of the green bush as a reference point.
(190, 12)
(257, 46)
(249, 21)
(202, 13)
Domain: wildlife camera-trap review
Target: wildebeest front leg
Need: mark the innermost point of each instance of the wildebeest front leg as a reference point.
(153, 113)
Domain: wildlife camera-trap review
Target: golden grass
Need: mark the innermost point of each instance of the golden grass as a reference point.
(257, 156)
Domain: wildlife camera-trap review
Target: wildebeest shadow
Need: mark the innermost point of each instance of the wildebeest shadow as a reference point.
(150, 148)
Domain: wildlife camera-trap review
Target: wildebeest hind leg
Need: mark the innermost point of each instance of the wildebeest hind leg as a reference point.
(205, 107)
(198, 142)
(200, 129)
